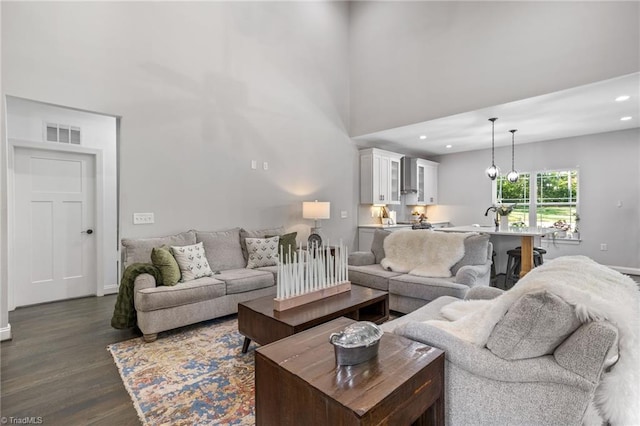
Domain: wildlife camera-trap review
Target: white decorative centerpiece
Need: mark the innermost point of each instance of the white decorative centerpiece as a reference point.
(310, 275)
(504, 223)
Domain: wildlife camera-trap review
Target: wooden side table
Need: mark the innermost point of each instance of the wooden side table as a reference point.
(298, 382)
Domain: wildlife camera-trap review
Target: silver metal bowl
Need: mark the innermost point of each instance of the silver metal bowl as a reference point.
(357, 343)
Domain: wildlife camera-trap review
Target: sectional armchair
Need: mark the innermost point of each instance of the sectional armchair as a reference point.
(540, 366)
(409, 292)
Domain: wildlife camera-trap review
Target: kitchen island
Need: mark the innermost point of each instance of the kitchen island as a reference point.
(525, 234)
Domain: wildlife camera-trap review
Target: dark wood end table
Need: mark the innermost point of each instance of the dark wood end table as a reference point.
(258, 321)
(298, 382)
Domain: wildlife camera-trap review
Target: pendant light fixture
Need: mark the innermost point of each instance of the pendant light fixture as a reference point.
(513, 174)
(492, 170)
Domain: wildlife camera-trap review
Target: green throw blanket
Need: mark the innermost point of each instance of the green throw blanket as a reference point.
(124, 313)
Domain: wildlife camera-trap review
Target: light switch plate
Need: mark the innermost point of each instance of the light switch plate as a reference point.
(143, 218)
(343, 214)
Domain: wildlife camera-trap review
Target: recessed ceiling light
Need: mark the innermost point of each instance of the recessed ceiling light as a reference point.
(622, 98)
(423, 137)
(449, 146)
(627, 118)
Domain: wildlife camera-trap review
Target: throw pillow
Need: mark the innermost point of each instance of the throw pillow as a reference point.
(192, 261)
(258, 233)
(287, 242)
(377, 246)
(262, 252)
(533, 326)
(475, 252)
(138, 250)
(223, 249)
(162, 259)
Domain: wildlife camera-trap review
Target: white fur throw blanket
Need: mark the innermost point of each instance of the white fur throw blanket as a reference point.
(423, 252)
(596, 292)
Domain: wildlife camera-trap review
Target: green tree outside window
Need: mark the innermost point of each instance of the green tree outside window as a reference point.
(555, 202)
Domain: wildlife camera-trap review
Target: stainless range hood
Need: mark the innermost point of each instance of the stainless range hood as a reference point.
(409, 169)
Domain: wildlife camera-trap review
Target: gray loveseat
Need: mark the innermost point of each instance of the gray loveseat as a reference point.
(410, 292)
(161, 308)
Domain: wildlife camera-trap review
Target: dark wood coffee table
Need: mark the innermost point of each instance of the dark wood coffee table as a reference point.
(258, 321)
(298, 383)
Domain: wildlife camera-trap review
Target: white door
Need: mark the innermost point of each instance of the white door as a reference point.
(55, 246)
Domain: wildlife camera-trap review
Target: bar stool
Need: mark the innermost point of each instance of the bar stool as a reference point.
(494, 275)
(542, 252)
(538, 250)
(515, 260)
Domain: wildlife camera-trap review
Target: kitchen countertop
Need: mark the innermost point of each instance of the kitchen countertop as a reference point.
(379, 225)
(512, 231)
(399, 225)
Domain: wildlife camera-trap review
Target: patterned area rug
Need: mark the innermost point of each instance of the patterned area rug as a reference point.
(194, 375)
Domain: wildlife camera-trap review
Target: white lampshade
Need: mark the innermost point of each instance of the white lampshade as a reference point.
(316, 209)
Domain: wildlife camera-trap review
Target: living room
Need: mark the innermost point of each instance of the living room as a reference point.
(198, 91)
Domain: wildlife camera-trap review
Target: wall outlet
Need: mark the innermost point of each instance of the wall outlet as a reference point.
(343, 214)
(265, 165)
(143, 218)
(603, 247)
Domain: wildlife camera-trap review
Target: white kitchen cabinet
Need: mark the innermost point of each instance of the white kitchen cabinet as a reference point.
(430, 181)
(379, 176)
(427, 182)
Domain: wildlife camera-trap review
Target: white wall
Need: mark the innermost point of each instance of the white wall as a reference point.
(416, 61)
(202, 88)
(5, 327)
(25, 122)
(609, 171)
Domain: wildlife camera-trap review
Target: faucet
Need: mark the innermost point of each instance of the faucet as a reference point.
(496, 221)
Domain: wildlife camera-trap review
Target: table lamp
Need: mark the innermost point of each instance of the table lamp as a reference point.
(316, 210)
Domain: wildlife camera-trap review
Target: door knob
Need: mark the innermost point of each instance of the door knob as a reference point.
(88, 231)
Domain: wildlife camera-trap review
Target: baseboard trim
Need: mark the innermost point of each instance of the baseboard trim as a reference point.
(625, 270)
(5, 333)
(111, 289)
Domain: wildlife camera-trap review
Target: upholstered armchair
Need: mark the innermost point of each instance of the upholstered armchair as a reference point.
(540, 365)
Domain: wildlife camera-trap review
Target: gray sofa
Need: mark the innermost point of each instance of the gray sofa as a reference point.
(409, 292)
(503, 384)
(161, 308)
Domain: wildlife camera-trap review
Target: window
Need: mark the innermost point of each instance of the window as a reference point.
(555, 200)
(515, 193)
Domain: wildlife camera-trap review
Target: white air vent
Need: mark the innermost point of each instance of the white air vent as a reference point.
(62, 133)
(52, 132)
(75, 135)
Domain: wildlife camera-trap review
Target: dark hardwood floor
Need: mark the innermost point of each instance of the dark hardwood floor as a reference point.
(57, 366)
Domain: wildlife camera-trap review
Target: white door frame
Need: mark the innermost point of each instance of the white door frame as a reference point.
(11, 214)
